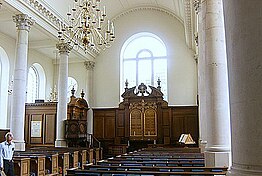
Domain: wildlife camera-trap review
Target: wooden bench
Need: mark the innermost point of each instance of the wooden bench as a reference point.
(37, 162)
(182, 163)
(106, 171)
(21, 166)
(157, 168)
(51, 160)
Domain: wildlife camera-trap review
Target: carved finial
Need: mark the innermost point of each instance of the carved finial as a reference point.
(73, 92)
(82, 93)
(126, 84)
(158, 84)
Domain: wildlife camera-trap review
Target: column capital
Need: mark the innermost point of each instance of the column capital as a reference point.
(89, 65)
(63, 48)
(23, 21)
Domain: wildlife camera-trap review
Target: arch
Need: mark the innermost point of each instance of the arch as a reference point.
(71, 83)
(36, 83)
(5, 87)
(143, 58)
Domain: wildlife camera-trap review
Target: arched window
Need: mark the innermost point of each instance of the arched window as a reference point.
(71, 83)
(36, 83)
(5, 88)
(144, 60)
(32, 85)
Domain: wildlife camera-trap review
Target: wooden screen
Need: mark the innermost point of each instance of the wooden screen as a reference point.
(136, 121)
(150, 123)
(143, 120)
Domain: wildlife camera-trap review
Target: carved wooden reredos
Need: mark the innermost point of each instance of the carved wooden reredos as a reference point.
(143, 106)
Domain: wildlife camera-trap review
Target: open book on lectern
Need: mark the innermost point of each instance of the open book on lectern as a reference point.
(186, 139)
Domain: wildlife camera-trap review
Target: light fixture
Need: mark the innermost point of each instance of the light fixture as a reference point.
(88, 26)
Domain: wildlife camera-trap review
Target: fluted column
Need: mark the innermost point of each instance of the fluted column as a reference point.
(64, 50)
(215, 84)
(243, 22)
(23, 24)
(90, 69)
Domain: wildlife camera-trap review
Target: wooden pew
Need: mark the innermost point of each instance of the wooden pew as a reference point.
(51, 160)
(157, 168)
(139, 172)
(68, 157)
(21, 166)
(180, 163)
(37, 162)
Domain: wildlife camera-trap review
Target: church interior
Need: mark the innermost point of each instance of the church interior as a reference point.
(132, 87)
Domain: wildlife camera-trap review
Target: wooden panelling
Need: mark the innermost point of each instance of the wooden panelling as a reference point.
(174, 122)
(99, 126)
(109, 124)
(104, 123)
(120, 132)
(50, 123)
(36, 118)
(43, 114)
(2, 134)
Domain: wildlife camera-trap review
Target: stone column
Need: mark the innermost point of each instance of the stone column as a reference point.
(243, 22)
(215, 85)
(90, 69)
(64, 50)
(23, 24)
(201, 76)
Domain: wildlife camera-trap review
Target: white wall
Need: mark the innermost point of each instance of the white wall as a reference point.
(9, 46)
(47, 64)
(182, 78)
(78, 71)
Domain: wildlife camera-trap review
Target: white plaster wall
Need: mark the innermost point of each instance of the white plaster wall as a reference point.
(78, 71)
(9, 45)
(182, 78)
(47, 64)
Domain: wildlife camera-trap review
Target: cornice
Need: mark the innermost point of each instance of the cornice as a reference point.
(151, 8)
(44, 16)
(188, 23)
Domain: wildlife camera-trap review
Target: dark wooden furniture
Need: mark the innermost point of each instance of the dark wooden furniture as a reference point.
(143, 118)
(21, 166)
(2, 134)
(40, 124)
(76, 123)
(37, 162)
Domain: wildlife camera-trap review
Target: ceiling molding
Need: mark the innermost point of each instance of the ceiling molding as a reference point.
(189, 23)
(151, 8)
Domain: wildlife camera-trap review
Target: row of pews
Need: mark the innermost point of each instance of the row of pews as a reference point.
(149, 162)
(41, 161)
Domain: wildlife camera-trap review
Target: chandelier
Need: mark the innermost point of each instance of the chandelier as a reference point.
(88, 26)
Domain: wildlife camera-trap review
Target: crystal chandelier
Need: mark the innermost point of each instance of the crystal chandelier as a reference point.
(88, 26)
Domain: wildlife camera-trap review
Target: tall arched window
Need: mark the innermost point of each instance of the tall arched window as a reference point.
(144, 60)
(5, 88)
(32, 85)
(36, 83)
(71, 83)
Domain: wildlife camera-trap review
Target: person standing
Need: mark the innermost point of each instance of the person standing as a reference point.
(6, 155)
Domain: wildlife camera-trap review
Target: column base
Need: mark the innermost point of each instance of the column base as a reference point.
(243, 171)
(60, 143)
(217, 159)
(202, 145)
(19, 145)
